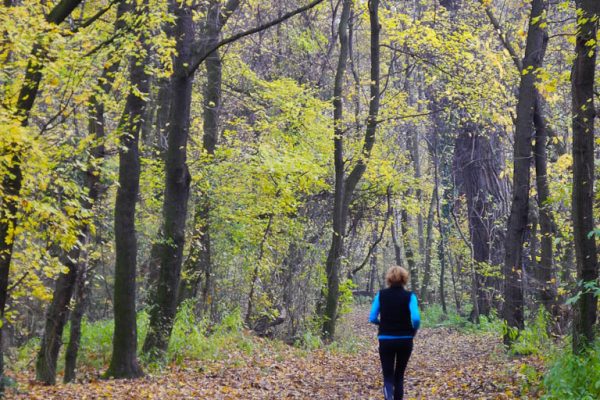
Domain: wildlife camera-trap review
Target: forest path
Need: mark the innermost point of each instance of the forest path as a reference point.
(446, 364)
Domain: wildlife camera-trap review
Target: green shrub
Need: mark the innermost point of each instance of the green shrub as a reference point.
(95, 348)
(25, 355)
(189, 340)
(573, 377)
(346, 299)
(534, 339)
(309, 341)
(433, 317)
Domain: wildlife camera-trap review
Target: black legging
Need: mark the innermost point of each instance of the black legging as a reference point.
(394, 354)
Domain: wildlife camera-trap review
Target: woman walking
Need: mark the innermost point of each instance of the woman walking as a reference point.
(396, 311)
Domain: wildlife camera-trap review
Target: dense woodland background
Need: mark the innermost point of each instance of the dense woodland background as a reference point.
(271, 159)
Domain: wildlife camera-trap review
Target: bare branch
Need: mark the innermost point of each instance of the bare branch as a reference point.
(204, 55)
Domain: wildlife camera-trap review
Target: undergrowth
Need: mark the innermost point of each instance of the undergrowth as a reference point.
(192, 338)
(433, 316)
(573, 376)
(568, 376)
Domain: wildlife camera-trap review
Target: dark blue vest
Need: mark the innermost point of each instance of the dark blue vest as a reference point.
(394, 310)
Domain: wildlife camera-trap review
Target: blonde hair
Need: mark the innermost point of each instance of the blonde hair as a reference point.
(396, 276)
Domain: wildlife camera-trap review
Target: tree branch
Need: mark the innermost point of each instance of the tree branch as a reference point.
(96, 16)
(201, 56)
(509, 47)
(379, 238)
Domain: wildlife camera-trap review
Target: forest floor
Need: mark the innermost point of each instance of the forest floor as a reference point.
(446, 364)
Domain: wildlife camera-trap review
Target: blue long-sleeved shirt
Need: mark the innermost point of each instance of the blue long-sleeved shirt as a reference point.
(415, 316)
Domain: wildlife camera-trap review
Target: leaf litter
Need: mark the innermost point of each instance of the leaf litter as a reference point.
(446, 364)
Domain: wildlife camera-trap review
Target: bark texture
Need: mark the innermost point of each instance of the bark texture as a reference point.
(513, 312)
(478, 166)
(123, 363)
(177, 184)
(584, 114)
(546, 274)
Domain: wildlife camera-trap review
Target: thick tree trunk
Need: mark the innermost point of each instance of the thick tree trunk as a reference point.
(478, 166)
(584, 114)
(513, 312)
(56, 318)
(124, 362)
(177, 184)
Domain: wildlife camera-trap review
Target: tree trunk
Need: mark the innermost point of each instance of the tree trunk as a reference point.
(403, 254)
(199, 265)
(513, 312)
(177, 184)
(416, 158)
(408, 251)
(58, 311)
(372, 274)
(82, 293)
(124, 362)
(255, 272)
(442, 241)
(11, 187)
(584, 114)
(547, 273)
(398, 256)
(12, 181)
(425, 295)
(333, 264)
(530, 264)
(344, 187)
(453, 275)
(56, 318)
(477, 168)
(92, 182)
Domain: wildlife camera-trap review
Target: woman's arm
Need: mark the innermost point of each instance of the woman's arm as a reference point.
(374, 315)
(415, 316)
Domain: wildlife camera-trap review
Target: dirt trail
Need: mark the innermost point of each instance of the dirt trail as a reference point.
(445, 365)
